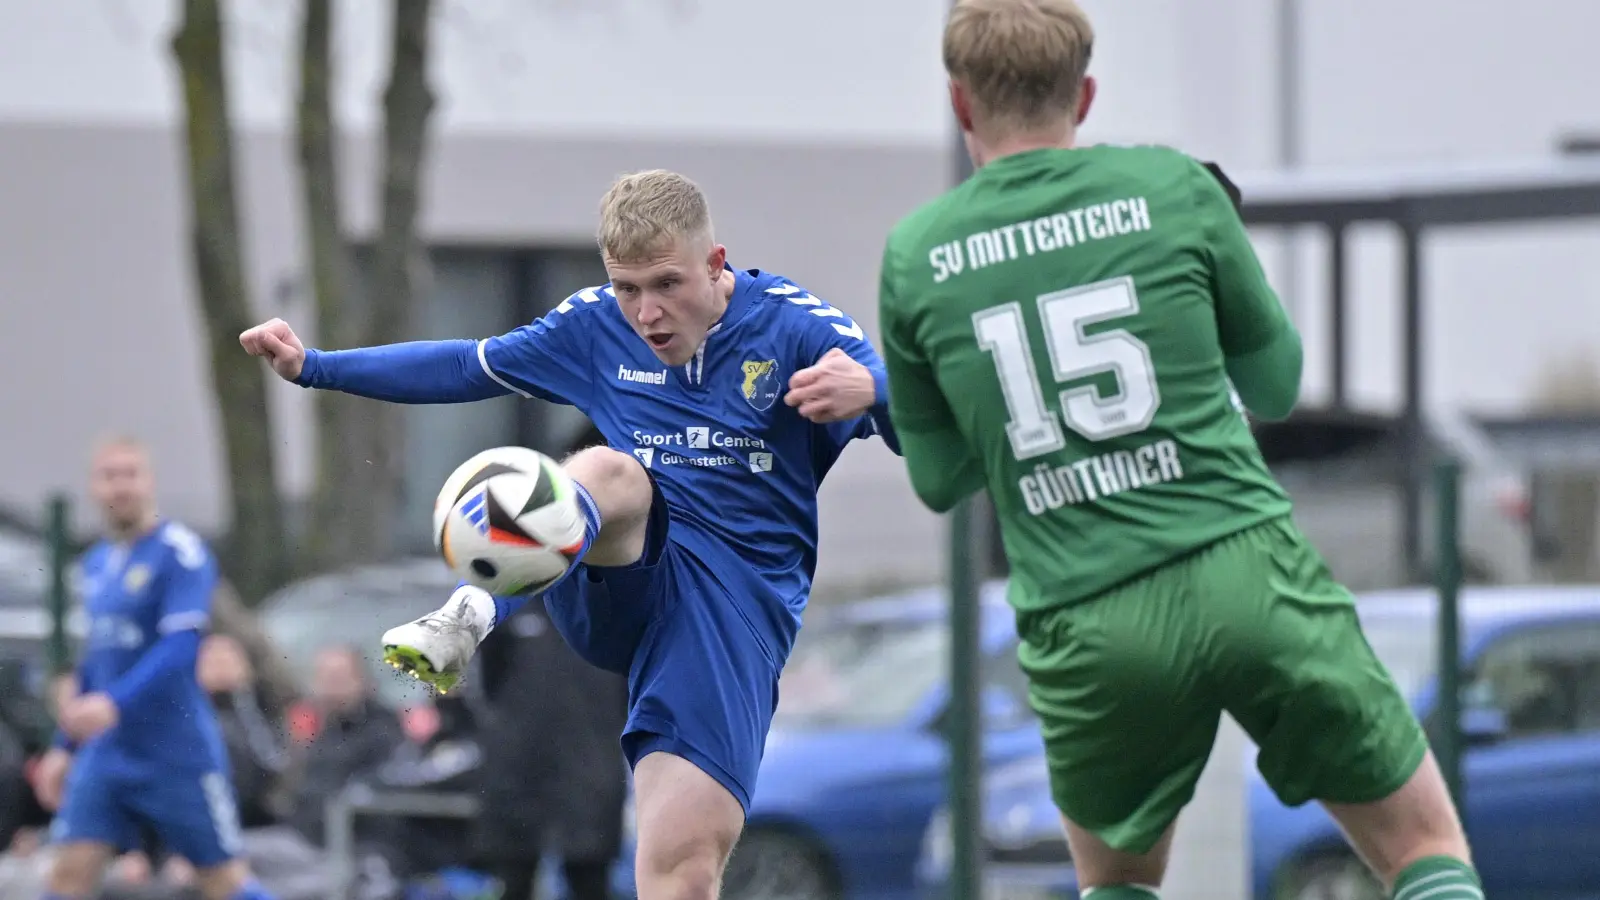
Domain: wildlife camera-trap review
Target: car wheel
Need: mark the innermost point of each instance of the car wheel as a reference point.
(771, 865)
(1334, 876)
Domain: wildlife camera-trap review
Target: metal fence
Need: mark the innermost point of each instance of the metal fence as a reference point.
(359, 801)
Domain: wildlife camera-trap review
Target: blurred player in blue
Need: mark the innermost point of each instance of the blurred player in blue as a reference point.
(139, 744)
(725, 395)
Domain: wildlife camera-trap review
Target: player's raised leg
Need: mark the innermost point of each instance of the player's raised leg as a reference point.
(615, 497)
(687, 825)
(1413, 839)
(1330, 721)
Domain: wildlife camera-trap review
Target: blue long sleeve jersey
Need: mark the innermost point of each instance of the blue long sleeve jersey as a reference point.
(148, 600)
(738, 467)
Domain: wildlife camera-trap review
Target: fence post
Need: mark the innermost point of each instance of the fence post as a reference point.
(963, 728)
(59, 536)
(1447, 568)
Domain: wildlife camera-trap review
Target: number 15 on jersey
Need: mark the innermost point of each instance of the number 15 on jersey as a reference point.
(1075, 355)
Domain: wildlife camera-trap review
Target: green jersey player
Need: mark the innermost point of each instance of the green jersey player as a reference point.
(1067, 330)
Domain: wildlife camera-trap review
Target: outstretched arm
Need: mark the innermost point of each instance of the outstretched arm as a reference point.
(549, 359)
(415, 372)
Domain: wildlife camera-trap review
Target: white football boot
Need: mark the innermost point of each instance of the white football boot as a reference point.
(437, 647)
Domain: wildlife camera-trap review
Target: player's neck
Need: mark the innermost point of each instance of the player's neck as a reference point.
(127, 533)
(987, 151)
(726, 283)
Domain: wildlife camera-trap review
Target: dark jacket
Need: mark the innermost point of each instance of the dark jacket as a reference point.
(345, 747)
(553, 775)
(256, 756)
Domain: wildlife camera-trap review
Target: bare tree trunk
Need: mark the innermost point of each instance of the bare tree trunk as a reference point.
(335, 522)
(361, 465)
(254, 552)
(399, 259)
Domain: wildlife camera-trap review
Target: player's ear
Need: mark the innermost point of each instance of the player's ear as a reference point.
(716, 259)
(1086, 97)
(961, 105)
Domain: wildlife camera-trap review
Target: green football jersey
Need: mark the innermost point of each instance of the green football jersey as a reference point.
(1056, 330)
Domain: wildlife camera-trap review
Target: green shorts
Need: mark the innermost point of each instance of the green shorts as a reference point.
(1130, 687)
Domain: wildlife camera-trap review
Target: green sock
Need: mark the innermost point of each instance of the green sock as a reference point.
(1120, 892)
(1438, 878)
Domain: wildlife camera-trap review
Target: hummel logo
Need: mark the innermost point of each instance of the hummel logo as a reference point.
(640, 376)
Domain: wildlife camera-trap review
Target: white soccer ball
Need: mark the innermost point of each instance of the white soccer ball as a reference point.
(508, 520)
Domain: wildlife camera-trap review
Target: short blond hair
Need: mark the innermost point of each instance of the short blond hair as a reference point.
(119, 440)
(1022, 61)
(645, 212)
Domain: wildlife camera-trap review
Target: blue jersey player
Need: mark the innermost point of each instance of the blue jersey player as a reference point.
(139, 744)
(725, 396)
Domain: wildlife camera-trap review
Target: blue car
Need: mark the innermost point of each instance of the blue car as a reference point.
(855, 765)
(1531, 659)
(1025, 853)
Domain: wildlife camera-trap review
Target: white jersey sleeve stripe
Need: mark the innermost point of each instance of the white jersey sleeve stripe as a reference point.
(483, 360)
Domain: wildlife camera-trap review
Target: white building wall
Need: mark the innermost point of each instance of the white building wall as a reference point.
(541, 101)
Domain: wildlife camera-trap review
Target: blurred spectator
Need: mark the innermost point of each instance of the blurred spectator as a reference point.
(448, 760)
(351, 734)
(24, 723)
(554, 773)
(275, 681)
(255, 751)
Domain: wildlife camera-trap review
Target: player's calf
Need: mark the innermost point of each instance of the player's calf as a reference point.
(231, 880)
(687, 825)
(621, 493)
(1111, 874)
(1413, 839)
(76, 871)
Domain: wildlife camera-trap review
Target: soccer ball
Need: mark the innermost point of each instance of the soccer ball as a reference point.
(508, 521)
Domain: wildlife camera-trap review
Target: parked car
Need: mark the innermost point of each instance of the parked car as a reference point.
(1531, 675)
(1024, 850)
(855, 764)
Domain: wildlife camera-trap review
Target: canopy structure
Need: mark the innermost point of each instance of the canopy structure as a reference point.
(1416, 200)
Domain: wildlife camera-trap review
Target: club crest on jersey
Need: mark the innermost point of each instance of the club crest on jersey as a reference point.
(761, 387)
(136, 578)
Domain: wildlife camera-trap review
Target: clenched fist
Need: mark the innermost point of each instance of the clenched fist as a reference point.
(835, 389)
(49, 778)
(275, 342)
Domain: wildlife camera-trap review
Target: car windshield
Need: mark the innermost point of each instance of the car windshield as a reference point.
(1407, 647)
(861, 674)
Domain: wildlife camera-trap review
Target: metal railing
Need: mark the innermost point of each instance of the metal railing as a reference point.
(360, 800)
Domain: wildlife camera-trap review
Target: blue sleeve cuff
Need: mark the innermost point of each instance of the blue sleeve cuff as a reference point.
(879, 412)
(310, 369)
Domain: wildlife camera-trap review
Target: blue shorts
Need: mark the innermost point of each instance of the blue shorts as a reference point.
(702, 685)
(194, 815)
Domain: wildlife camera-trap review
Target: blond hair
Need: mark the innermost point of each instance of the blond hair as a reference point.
(1022, 61)
(119, 440)
(646, 212)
